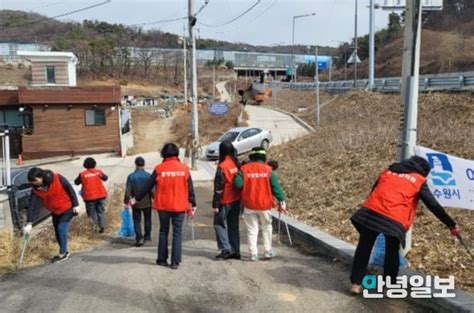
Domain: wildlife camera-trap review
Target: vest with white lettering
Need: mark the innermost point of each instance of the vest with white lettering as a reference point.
(257, 190)
(92, 186)
(171, 186)
(230, 194)
(396, 196)
(55, 198)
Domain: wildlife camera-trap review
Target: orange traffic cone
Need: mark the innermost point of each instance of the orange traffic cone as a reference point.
(20, 160)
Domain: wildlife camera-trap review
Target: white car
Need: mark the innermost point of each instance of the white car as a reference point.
(244, 139)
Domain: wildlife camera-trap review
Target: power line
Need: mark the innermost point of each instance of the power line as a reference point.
(206, 2)
(235, 18)
(58, 16)
(47, 5)
(161, 21)
(265, 11)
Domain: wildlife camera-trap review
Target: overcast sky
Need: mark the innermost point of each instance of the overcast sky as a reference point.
(269, 22)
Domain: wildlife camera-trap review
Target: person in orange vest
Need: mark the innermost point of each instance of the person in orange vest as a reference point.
(173, 198)
(260, 186)
(390, 210)
(56, 194)
(93, 191)
(226, 203)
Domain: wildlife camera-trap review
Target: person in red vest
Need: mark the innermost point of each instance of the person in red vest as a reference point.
(54, 192)
(226, 203)
(174, 197)
(260, 187)
(390, 209)
(93, 191)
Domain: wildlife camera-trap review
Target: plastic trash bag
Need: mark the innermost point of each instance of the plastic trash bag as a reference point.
(378, 253)
(126, 228)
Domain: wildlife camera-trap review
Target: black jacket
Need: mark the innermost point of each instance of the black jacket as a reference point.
(380, 223)
(35, 203)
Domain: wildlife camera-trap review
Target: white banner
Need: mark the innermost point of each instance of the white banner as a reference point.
(451, 179)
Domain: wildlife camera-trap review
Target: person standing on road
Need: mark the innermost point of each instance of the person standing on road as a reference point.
(260, 185)
(56, 194)
(226, 203)
(136, 181)
(390, 210)
(174, 197)
(93, 191)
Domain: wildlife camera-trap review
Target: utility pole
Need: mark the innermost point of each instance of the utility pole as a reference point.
(214, 75)
(316, 79)
(194, 93)
(372, 45)
(355, 44)
(410, 80)
(330, 68)
(185, 67)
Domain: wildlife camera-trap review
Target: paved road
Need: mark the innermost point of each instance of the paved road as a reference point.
(121, 278)
(282, 126)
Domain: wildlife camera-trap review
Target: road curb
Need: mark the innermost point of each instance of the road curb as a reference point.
(296, 118)
(46, 162)
(334, 247)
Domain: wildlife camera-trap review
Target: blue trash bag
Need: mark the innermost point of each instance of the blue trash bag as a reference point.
(126, 228)
(378, 253)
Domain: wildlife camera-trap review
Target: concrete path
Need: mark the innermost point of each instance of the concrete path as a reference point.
(121, 278)
(224, 94)
(282, 126)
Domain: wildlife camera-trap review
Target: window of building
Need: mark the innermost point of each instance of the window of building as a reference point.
(95, 117)
(50, 74)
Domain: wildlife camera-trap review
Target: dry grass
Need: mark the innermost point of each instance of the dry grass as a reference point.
(150, 131)
(14, 75)
(210, 127)
(83, 236)
(335, 168)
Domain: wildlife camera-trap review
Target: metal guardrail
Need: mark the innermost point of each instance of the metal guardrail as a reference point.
(451, 81)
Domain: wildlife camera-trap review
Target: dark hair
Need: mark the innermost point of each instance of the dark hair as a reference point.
(139, 161)
(169, 150)
(422, 166)
(274, 164)
(89, 163)
(34, 173)
(226, 148)
(258, 154)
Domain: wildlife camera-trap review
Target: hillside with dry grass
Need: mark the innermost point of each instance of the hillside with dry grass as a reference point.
(334, 168)
(210, 127)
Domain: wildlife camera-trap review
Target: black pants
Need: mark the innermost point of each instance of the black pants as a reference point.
(175, 219)
(226, 225)
(362, 255)
(137, 218)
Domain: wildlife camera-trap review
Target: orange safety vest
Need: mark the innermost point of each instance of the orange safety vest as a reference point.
(396, 196)
(230, 194)
(55, 199)
(172, 191)
(92, 186)
(257, 190)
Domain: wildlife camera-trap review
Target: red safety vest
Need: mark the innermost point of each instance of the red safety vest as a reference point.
(257, 190)
(172, 186)
(56, 198)
(92, 186)
(230, 194)
(396, 196)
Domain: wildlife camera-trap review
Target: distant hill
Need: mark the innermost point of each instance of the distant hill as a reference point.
(33, 27)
